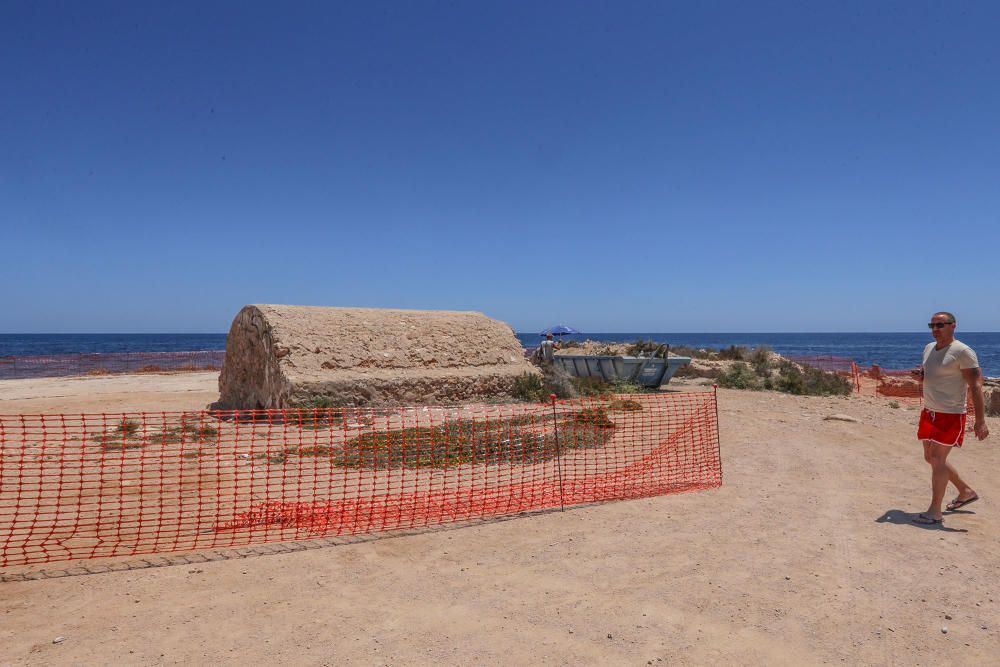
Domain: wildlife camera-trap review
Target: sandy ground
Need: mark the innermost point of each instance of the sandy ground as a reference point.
(806, 555)
(117, 393)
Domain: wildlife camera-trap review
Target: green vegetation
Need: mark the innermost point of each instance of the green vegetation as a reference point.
(518, 440)
(594, 417)
(128, 434)
(530, 387)
(693, 352)
(199, 432)
(318, 413)
(740, 376)
(810, 381)
(591, 386)
(125, 435)
(625, 405)
(788, 378)
(554, 380)
(558, 382)
(760, 359)
(630, 388)
(733, 353)
(127, 428)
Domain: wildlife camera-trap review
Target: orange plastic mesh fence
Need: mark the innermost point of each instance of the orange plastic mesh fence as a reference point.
(107, 363)
(87, 486)
(902, 386)
(898, 384)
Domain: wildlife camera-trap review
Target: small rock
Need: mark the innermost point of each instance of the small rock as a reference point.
(840, 418)
(947, 617)
(944, 629)
(609, 635)
(58, 640)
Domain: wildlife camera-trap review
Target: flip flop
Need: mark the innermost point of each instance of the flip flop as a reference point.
(925, 520)
(956, 503)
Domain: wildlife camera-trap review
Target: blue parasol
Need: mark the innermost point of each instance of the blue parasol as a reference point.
(560, 330)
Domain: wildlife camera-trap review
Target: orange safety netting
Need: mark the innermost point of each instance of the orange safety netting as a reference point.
(900, 385)
(107, 363)
(87, 486)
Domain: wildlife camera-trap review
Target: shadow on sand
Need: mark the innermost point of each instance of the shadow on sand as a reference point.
(901, 518)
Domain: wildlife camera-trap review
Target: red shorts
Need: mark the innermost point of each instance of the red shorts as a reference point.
(944, 428)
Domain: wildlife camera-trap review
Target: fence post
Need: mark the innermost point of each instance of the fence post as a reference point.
(555, 426)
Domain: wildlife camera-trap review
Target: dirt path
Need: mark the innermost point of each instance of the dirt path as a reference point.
(805, 556)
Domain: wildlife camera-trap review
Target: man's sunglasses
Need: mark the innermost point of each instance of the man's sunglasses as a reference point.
(938, 325)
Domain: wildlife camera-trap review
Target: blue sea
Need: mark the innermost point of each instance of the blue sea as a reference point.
(890, 350)
(18, 345)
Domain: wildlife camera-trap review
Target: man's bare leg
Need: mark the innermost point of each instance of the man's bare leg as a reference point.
(964, 490)
(937, 456)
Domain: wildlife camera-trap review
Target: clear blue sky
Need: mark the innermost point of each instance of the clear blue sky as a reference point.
(615, 166)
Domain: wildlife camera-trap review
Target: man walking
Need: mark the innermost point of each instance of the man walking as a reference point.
(950, 369)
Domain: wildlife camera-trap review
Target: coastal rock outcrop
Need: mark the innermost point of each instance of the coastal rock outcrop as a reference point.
(280, 356)
(991, 397)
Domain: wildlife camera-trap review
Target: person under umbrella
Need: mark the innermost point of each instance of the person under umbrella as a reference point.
(546, 351)
(560, 330)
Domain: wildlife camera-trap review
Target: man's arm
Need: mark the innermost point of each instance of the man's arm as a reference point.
(974, 378)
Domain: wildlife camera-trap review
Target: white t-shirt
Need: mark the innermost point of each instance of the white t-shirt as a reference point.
(944, 386)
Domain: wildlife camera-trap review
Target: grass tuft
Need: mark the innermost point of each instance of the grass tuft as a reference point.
(318, 413)
(594, 417)
(625, 405)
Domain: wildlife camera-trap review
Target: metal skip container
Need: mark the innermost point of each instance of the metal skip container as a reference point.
(644, 371)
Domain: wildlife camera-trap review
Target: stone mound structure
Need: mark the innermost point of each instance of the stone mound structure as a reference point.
(282, 356)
